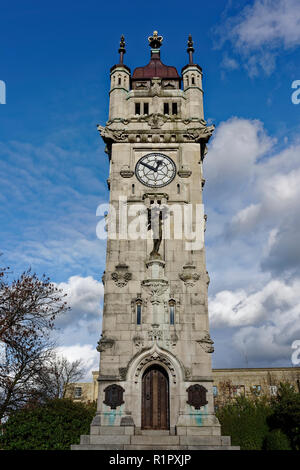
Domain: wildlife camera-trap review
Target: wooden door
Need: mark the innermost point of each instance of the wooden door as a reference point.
(155, 399)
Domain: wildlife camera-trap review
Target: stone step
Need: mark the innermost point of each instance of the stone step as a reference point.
(203, 441)
(212, 447)
(153, 447)
(116, 440)
(157, 439)
(153, 432)
(111, 430)
(97, 447)
(198, 431)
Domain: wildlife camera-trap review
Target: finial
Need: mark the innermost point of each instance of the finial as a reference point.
(155, 41)
(190, 49)
(122, 49)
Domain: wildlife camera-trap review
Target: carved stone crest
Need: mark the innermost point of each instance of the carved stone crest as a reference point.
(121, 275)
(197, 396)
(156, 120)
(189, 276)
(206, 343)
(114, 396)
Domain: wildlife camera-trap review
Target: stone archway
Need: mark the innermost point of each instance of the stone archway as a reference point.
(155, 398)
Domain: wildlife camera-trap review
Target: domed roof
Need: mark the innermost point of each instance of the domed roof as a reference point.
(155, 68)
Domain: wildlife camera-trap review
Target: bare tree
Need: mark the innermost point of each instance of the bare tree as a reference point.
(58, 376)
(28, 308)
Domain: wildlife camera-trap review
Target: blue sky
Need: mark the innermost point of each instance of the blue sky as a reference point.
(55, 60)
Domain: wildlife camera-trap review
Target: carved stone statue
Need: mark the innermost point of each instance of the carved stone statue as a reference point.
(155, 223)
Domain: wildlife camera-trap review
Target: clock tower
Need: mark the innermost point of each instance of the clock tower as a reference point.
(155, 378)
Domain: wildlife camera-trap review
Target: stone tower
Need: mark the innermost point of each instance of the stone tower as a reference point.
(155, 379)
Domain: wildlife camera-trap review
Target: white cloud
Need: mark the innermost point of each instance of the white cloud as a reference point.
(265, 322)
(86, 352)
(259, 31)
(235, 148)
(270, 22)
(252, 197)
(253, 250)
(276, 301)
(84, 295)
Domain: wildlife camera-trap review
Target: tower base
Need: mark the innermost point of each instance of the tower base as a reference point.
(132, 438)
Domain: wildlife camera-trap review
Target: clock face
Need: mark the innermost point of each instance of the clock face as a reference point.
(155, 170)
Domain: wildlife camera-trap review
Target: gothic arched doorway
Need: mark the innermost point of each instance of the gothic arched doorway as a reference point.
(155, 398)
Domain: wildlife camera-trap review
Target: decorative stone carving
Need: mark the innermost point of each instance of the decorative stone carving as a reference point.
(156, 87)
(103, 278)
(126, 173)
(156, 120)
(172, 340)
(188, 372)
(206, 343)
(123, 372)
(114, 396)
(105, 343)
(142, 85)
(138, 341)
(197, 396)
(194, 135)
(189, 276)
(183, 173)
(169, 84)
(112, 135)
(155, 335)
(121, 275)
(156, 196)
(157, 358)
(156, 288)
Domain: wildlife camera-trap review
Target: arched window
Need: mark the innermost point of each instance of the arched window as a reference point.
(138, 312)
(172, 304)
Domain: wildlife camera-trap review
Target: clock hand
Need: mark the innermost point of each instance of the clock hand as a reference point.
(148, 166)
(160, 162)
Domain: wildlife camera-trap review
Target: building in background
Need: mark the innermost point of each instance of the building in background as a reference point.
(227, 383)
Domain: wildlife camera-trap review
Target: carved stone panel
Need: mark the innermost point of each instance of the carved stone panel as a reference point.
(114, 396)
(197, 396)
